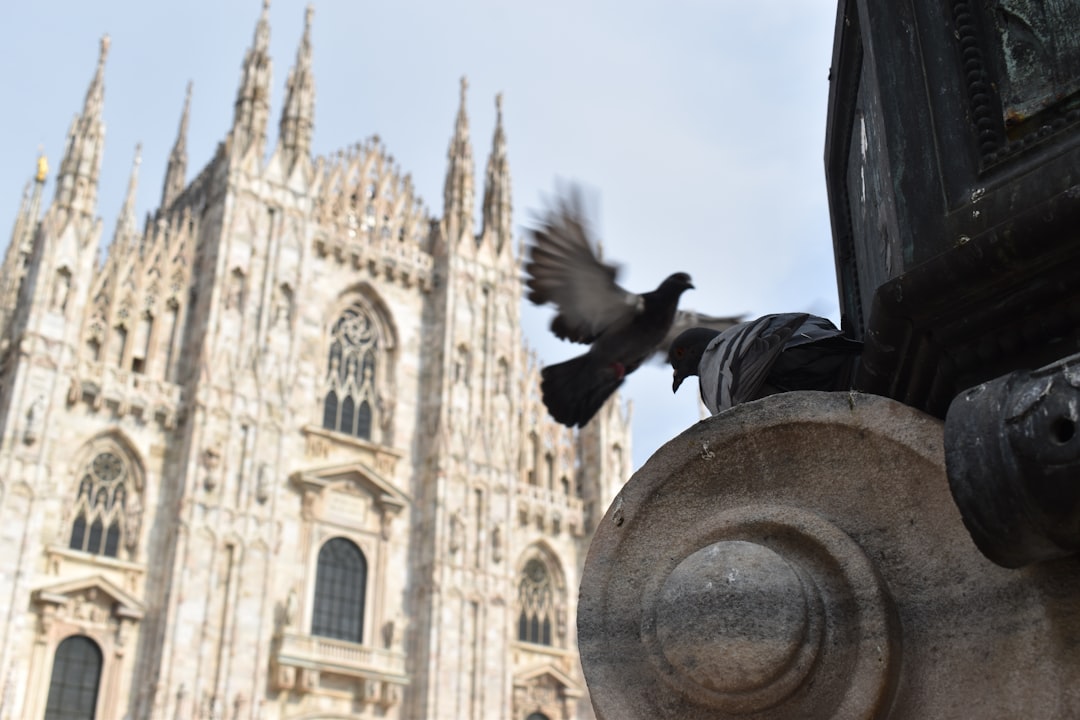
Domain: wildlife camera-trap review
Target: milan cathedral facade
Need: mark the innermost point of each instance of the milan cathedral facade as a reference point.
(279, 453)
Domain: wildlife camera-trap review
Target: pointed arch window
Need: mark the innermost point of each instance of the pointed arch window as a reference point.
(105, 518)
(76, 675)
(340, 581)
(536, 600)
(351, 371)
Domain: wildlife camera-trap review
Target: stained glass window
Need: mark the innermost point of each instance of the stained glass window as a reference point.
(349, 388)
(100, 506)
(536, 600)
(340, 581)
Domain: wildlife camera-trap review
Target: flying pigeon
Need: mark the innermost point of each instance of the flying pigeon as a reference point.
(773, 354)
(623, 328)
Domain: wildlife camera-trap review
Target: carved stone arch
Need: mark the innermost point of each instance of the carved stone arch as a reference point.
(232, 539)
(359, 385)
(366, 293)
(544, 550)
(541, 601)
(104, 507)
(121, 442)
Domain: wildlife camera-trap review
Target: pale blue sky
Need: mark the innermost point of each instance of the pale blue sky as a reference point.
(698, 125)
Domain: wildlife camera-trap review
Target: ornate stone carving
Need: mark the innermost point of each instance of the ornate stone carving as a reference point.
(35, 419)
(262, 484)
(211, 458)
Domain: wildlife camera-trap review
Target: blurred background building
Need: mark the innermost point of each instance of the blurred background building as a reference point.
(277, 450)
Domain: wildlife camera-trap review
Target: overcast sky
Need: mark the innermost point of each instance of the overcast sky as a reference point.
(697, 125)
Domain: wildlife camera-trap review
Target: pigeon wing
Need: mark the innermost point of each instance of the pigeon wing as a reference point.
(686, 319)
(564, 270)
(751, 366)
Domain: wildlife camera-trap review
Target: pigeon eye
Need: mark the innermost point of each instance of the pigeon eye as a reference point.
(679, 352)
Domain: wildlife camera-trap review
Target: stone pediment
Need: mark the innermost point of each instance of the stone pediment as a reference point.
(95, 590)
(360, 476)
(551, 677)
(347, 493)
(329, 447)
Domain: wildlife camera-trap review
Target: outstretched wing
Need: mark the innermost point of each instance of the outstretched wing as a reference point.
(564, 270)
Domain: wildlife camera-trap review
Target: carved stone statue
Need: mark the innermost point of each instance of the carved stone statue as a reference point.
(457, 527)
(132, 522)
(61, 289)
(262, 484)
(35, 420)
(291, 606)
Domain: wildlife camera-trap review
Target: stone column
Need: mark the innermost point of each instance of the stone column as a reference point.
(801, 557)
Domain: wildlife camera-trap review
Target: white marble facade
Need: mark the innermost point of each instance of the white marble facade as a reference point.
(281, 453)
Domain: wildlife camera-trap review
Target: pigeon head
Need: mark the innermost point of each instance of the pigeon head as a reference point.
(677, 283)
(686, 350)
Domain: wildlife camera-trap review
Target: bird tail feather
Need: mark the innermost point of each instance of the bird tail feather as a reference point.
(574, 390)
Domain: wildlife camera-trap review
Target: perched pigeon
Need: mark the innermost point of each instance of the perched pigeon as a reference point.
(773, 354)
(624, 328)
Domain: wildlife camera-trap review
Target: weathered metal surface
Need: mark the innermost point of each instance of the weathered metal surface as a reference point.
(1012, 453)
(1039, 49)
(953, 168)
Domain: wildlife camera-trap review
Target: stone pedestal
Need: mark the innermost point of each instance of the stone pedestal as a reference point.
(801, 557)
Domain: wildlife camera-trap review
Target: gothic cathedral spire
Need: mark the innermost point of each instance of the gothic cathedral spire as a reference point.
(126, 224)
(297, 117)
(177, 168)
(253, 98)
(77, 181)
(458, 191)
(20, 248)
(497, 202)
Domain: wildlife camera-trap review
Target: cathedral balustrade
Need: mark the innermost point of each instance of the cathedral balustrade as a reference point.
(341, 657)
(129, 392)
(550, 509)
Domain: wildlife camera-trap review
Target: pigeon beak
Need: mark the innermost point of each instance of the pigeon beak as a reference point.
(677, 381)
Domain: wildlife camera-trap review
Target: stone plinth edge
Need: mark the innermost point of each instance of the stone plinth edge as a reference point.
(800, 556)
